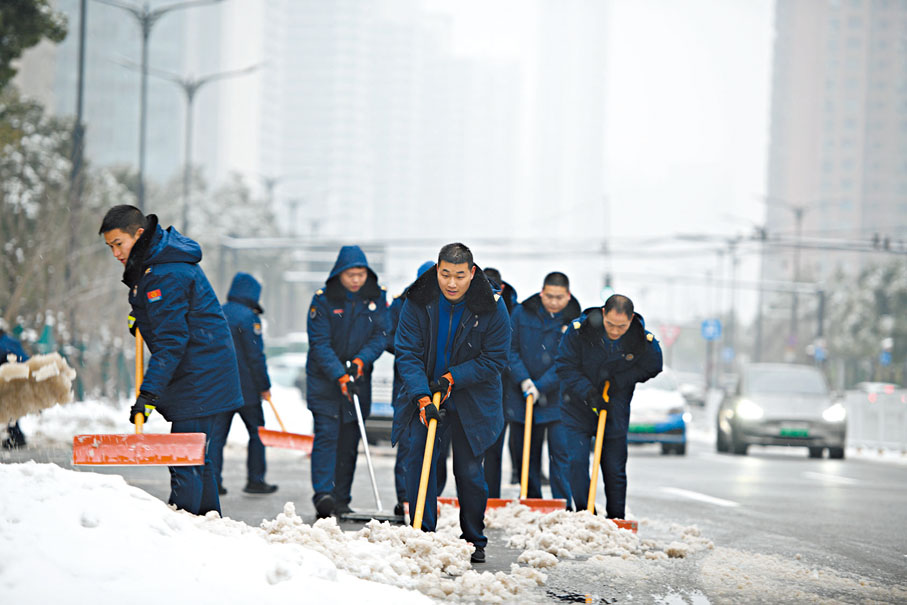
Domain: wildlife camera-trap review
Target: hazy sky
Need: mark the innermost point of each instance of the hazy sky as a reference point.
(687, 122)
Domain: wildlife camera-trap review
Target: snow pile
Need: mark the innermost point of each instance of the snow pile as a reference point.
(434, 563)
(564, 535)
(733, 576)
(33, 385)
(88, 538)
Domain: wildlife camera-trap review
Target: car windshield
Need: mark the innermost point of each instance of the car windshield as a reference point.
(775, 381)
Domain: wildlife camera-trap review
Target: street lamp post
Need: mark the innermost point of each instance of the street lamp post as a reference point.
(146, 18)
(190, 86)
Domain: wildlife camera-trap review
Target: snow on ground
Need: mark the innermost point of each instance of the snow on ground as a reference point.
(90, 538)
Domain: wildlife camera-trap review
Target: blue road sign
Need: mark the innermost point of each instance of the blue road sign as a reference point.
(711, 329)
(885, 358)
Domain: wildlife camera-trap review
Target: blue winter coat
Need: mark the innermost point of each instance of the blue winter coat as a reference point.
(242, 310)
(478, 356)
(343, 326)
(193, 364)
(8, 346)
(533, 347)
(586, 358)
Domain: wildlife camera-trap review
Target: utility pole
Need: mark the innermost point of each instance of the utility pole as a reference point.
(147, 18)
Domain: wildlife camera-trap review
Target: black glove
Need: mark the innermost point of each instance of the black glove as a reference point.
(144, 404)
(427, 409)
(441, 385)
(593, 400)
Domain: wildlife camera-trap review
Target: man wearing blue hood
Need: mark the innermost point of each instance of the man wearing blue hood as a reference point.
(347, 329)
(453, 338)
(191, 378)
(242, 311)
(607, 344)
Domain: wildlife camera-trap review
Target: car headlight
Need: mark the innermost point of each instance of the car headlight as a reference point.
(749, 410)
(835, 413)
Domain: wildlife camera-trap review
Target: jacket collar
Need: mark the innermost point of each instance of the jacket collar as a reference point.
(135, 264)
(570, 312)
(480, 298)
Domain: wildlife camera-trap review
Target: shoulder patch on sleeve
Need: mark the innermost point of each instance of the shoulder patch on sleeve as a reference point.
(256, 327)
(497, 297)
(313, 312)
(649, 336)
(576, 325)
(319, 292)
(384, 288)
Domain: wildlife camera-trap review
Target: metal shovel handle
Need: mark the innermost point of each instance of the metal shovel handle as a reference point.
(368, 457)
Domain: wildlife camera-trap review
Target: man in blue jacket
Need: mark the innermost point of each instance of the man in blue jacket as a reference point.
(242, 311)
(10, 346)
(605, 344)
(393, 314)
(347, 328)
(538, 324)
(452, 339)
(191, 378)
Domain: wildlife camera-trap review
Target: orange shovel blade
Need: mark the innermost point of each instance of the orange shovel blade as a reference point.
(173, 449)
(290, 441)
(542, 505)
(628, 524)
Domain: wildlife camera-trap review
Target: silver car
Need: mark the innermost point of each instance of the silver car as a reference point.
(781, 404)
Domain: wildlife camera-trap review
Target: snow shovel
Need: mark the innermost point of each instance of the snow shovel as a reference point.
(596, 462)
(367, 516)
(542, 505)
(426, 464)
(174, 449)
(283, 439)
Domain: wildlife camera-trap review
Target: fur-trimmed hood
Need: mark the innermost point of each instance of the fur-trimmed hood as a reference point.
(570, 312)
(480, 298)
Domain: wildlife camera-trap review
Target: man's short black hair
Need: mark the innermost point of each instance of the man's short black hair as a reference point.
(619, 303)
(494, 275)
(125, 218)
(456, 254)
(556, 278)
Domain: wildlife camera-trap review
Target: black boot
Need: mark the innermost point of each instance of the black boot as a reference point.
(324, 506)
(16, 437)
(478, 556)
(259, 488)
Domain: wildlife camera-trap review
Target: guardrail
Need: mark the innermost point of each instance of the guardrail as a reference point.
(877, 420)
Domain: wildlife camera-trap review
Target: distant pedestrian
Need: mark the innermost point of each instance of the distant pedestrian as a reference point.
(243, 312)
(10, 346)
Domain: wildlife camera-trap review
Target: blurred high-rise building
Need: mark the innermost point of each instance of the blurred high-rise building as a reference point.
(838, 148)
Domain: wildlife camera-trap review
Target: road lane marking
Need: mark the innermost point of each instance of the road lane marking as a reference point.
(701, 497)
(831, 478)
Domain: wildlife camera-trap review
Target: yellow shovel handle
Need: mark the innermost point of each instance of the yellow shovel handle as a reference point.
(426, 465)
(596, 460)
(282, 427)
(139, 376)
(527, 437)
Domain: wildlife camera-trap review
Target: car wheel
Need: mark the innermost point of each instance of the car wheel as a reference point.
(720, 441)
(738, 446)
(836, 453)
(680, 449)
(816, 452)
(667, 449)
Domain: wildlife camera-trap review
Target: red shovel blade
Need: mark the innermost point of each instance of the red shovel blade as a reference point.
(542, 505)
(282, 439)
(171, 449)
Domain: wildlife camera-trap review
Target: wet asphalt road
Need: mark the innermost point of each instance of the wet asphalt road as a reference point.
(844, 515)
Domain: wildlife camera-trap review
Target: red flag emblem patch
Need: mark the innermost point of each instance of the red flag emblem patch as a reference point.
(154, 295)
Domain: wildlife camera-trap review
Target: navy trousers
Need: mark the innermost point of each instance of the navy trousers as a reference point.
(492, 465)
(334, 453)
(613, 468)
(194, 488)
(558, 467)
(253, 417)
(468, 474)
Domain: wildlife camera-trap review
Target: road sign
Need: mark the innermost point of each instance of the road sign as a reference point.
(885, 358)
(711, 329)
(668, 334)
